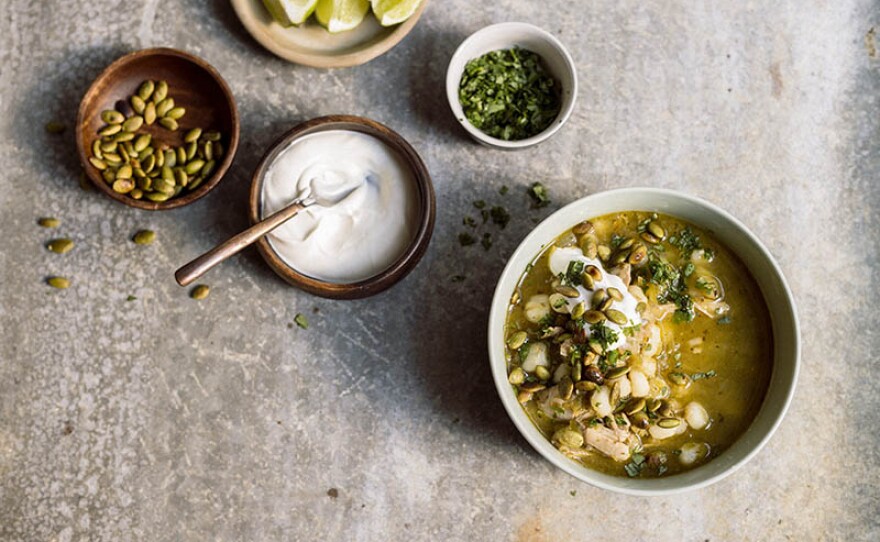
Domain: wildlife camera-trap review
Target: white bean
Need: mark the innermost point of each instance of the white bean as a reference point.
(696, 415)
(692, 452)
(536, 356)
(639, 383)
(600, 401)
(537, 308)
(661, 433)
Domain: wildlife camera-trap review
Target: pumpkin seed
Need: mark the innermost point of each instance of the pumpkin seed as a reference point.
(100, 164)
(150, 113)
(532, 387)
(617, 372)
(517, 376)
(161, 91)
(145, 184)
(641, 306)
(542, 372)
(578, 310)
(615, 294)
(599, 296)
(123, 137)
(593, 317)
(138, 104)
(638, 254)
(136, 193)
(60, 246)
(596, 347)
(168, 124)
(191, 149)
(517, 339)
(616, 316)
(146, 90)
(181, 155)
(212, 136)
(110, 146)
(583, 228)
(111, 116)
(144, 237)
(587, 281)
(590, 247)
(96, 149)
(569, 437)
(200, 292)
(49, 222)
(58, 282)
(669, 423)
(647, 236)
(175, 113)
(195, 183)
(124, 153)
(594, 272)
(133, 124)
(217, 149)
(109, 175)
(180, 177)
(620, 257)
(164, 186)
(565, 388)
(567, 291)
(524, 397)
(157, 197)
(170, 158)
(109, 130)
(656, 230)
(208, 150)
(654, 405)
(679, 379)
(605, 305)
(124, 172)
(164, 106)
(208, 169)
(149, 163)
(576, 372)
(585, 385)
(628, 242)
(193, 135)
(635, 405)
(123, 186)
(603, 252)
(54, 127)
(640, 420)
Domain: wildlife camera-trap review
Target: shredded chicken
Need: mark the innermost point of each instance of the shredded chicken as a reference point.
(624, 271)
(616, 442)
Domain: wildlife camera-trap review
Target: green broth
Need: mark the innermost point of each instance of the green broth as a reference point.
(729, 349)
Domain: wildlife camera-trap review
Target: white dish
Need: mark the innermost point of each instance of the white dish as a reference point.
(505, 36)
(780, 303)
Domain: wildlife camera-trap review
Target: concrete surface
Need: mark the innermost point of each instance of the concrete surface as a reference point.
(168, 419)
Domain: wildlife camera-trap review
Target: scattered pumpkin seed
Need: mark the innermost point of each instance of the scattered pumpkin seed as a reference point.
(175, 113)
(567, 291)
(517, 376)
(122, 137)
(679, 379)
(109, 130)
(212, 136)
(583, 228)
(576, 372)
(200, 292)
(60, 246)
(656, 230)
(180, 177)
(96, 149)
(193, 135)
(191, 149)
(136, 193)
(168, 123)
(161, 91)
(669, 423)
(616, 316)
(111, 116)
(58, 282)
(588, 281)
(196, 165)
(590, 247)
(137, 103)
(569, 437)
(133, 124)
(144, 237)
(628, 242)
(146, 90)
(578, 310)
(565, 388)
(123, 186)
(532, 387)
(635, 405)
(654, 405)
(647, 236)
(615, 294)
(585, 385)
(617, 372)
(517, 339)
(603, 252)
(157, 197)
(49, 222)
(542, 372)
(594, 272)
(593, 317)
(124, 172)
(638, 254)
(605, 305)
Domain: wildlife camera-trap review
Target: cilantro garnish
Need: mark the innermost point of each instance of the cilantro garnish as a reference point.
(500, 216)
(539, 194)
(301, 321)
(465, 239)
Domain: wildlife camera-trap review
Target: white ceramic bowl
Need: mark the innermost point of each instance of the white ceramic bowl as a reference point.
(556, 59)
(786, 335)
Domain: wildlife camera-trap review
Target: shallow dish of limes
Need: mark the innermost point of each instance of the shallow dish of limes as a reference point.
(329, 33)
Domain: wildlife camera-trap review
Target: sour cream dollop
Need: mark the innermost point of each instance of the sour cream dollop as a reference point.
(559, 261)
(366, 212)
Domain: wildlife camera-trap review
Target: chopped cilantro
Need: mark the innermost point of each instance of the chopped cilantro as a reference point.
(500, 216)
(603, 335)
(130, 298)
(539, 195)
(485, 214)
(687, 242)
(503, 190)
(486, 241)
(479, 204)
(572, 275)
(465, 239)
(301, 321)
(469, 221)
(573, 493)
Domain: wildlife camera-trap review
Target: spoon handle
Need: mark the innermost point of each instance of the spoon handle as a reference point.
(235, 244)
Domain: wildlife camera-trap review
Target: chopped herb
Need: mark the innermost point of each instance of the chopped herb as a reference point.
(457, 278)
(572, 275)
(630, 331)
(602, 334)
(503, 190)
(539, 194)
(500, 216)
(687, 242)
(612, 357)
(616, 240)
(708, 286)
(301, 321)
(469, 221)
(573, 493)
(486, 241)
(465, 239)
(688, 270)
(485, 214)
(508, 94)
(130, 298)
(661, 470)
(523, 352)
(700, 376)
(479, 204)
(635, 466)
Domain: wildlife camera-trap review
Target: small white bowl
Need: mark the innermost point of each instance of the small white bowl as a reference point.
(728, 230)
(556, 60)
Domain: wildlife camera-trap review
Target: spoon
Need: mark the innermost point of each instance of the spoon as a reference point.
(324, 196)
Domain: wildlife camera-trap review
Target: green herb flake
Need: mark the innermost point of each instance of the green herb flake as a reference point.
(500, 216)
(508, 94)
(539, 194)
(465, 239)
(573, 493)
(469, 222)
(130, 298)
(503, 190)
(479, 204)
(301, 321)
(486, 241)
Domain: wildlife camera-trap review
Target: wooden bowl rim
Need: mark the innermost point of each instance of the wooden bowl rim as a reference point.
(316, 60)
(173, 203)
(426, 200)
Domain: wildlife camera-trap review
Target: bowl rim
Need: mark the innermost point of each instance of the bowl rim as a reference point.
(504, 289)
(323, 61)
(404, 264)
(173, 203)
(453, 79)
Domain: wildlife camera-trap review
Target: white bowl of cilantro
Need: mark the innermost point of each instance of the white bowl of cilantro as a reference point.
(511, 85)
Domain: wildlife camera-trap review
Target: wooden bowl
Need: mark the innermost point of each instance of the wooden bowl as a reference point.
(193, 83)
(424, 192)
(310, 44)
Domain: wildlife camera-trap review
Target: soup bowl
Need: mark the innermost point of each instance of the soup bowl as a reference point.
(767, 275)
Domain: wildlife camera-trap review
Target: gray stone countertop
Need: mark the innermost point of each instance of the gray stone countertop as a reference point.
(168, 419)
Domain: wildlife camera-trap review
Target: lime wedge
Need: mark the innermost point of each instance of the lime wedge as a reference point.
(290, 12)
(341, 15)
(391, 12)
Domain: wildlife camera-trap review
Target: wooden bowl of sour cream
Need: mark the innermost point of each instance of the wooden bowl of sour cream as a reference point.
(371, 239)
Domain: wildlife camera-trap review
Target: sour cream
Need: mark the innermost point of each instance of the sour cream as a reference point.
(366, 213)
(559, 261)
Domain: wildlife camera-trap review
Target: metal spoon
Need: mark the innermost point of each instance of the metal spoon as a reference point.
(327, 197)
